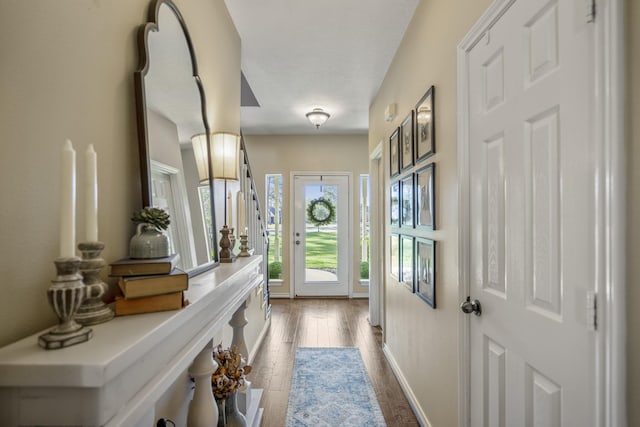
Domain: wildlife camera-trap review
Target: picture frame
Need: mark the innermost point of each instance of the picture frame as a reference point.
(394, 153)
(407, 202)
(425, 131)
(425, 253)
(425, 197)
(394, 203)
(406, 141)
(394, 258)
(407, 264)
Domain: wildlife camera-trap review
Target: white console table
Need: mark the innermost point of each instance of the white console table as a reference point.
(116, 378)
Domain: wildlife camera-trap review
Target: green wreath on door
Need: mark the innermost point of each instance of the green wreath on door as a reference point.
(321, 211)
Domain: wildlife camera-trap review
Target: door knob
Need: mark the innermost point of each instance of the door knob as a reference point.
(469, 306)
(297, 242)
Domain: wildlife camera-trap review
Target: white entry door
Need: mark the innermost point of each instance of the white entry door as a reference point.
(531, 236)
(321, 235)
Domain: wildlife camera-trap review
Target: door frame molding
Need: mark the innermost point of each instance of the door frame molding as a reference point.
(376, 246)
(610, 184)
(292, 272)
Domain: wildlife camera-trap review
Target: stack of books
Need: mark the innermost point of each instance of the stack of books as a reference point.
(149, 285)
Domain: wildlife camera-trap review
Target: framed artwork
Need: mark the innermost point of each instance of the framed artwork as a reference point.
(425, 270)
(425, 126)
(406, 201)
(425, 197)
(394, 249)
(394, 153)
(406, 141)
(395, 204)
(406, 262)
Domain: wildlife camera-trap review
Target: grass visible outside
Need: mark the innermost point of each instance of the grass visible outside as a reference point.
(322, 253)
(322, 250)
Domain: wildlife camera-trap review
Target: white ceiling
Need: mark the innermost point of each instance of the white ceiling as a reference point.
(301, 54)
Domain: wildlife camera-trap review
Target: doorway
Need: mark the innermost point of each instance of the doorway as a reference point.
(321, 231)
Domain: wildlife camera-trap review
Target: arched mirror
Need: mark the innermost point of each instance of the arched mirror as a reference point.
(173, 136)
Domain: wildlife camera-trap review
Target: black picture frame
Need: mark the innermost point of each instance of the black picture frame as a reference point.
(406, 142)
(394, 153)
(407, 262)
(425, 205)
(425, 129)
(394, 256)
(407, 202)
(394, 203)
(425, 254)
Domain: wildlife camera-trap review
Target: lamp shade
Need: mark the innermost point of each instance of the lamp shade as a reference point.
(317, 117)
(199, 143)
(225, 155)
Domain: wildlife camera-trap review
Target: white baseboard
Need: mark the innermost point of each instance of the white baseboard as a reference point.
(413, 401)
(360, 295)
(279, 294)
(256, 347)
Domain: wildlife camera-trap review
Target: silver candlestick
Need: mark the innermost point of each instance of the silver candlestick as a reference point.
(65, 295)
(244, 247)
(93, 310)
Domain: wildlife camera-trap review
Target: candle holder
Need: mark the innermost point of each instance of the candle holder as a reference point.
(244, 246)
(93, 310)
(65, 295)
(225, 253)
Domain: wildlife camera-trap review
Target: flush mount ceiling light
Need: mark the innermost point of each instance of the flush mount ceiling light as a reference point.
(317, 117)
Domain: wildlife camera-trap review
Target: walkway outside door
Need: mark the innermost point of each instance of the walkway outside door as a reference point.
(321, 235)
(531, 201)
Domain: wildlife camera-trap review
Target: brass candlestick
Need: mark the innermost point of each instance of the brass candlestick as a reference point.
(65, 295)
(244, 247)
(93, 310)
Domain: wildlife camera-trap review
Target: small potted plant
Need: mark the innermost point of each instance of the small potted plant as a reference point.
(225, 382)
(150, 240)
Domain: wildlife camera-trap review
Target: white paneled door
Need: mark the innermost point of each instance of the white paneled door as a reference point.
(532, 198)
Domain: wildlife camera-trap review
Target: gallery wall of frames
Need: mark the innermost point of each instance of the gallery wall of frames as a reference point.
(412, 193)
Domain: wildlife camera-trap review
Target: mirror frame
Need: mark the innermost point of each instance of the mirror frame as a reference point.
(139, 75)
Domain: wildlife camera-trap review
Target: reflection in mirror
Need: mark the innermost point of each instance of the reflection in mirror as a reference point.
(172, 126)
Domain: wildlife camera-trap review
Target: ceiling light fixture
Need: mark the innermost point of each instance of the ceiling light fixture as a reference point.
(317, 117)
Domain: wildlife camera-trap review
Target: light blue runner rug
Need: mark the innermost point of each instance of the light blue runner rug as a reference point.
(330, 387)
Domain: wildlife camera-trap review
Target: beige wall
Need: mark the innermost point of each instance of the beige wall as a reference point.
(633, 211)
(285, 154)
(423, 341)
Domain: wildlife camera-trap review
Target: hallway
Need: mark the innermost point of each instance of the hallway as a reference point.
(323, 323)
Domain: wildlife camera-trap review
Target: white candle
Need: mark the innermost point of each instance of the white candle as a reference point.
(91, 195)
(241, 212)
(68, 201)
(230, 211)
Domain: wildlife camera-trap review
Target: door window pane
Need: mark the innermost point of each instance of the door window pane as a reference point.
(321, 233)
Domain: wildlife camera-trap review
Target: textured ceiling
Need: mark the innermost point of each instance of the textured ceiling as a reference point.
(301, 54)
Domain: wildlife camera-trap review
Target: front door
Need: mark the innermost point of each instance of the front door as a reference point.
(532, 249)
(321, 235)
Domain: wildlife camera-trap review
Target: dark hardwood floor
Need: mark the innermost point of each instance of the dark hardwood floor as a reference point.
(323, 323)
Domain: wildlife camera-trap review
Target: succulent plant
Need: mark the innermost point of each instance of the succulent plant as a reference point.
(155, 217)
